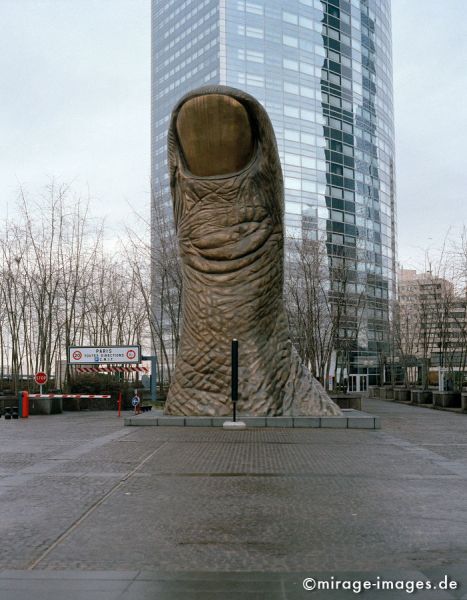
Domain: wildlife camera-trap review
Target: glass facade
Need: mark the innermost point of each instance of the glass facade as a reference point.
(185, 55)
(323, 71)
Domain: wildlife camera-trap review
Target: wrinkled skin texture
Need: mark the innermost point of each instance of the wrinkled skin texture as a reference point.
(230, 232)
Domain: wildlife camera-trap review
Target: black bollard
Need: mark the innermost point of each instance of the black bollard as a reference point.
(234, 379)
(7, 412)
(14, 412)
(234, 424)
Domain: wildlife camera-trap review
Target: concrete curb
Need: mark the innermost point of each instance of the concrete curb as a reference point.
(351, 419)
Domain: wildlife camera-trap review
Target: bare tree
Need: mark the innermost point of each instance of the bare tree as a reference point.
(325, 305)
(152, 250)
(14, 299)
(60, 286)
(405, 335)
(309, 311)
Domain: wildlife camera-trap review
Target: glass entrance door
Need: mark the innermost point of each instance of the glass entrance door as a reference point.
(358, 383)
(363, 383)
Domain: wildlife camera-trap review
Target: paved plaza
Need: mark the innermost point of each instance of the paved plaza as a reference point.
(92, 509)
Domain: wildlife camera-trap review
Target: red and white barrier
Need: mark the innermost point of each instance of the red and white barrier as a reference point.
(128, 369)
(70, 396)
(24, 403)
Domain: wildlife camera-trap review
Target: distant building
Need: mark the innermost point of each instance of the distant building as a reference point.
(432, 321)
(323, 71)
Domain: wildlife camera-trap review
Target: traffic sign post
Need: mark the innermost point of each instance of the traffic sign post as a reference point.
(41, 379)
(136, 402)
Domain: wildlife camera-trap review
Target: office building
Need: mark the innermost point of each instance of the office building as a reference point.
(323, 71)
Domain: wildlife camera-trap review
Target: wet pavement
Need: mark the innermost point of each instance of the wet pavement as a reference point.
(92, 509)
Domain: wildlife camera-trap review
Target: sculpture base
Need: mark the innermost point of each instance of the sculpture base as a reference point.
(350, 419)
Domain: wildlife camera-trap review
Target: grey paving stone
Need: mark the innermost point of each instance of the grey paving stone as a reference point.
(65, 575)
(254, 577)
(222, 584)
(367, 595)
(83, 584)
(152, 592)
(195, 499)
(46, 594)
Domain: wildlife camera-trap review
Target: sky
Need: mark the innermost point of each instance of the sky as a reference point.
(430, 89)
(75, 107)
(75, 102)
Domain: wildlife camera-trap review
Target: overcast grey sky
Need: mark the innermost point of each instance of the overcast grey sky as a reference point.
(75, 100)
(75, 91)
(430, 85)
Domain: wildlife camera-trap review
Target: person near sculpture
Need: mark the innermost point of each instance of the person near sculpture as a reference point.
(228, 202)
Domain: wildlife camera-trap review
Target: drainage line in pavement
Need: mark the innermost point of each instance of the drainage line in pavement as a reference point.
(96, 505)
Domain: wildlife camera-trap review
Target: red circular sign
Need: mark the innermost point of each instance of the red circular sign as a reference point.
(41, 378)
(131, 354)
(77, 355)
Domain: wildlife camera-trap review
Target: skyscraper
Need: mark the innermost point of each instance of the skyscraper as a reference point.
(323, 71)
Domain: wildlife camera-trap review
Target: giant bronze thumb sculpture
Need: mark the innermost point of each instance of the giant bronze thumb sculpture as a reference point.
(228, 199)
